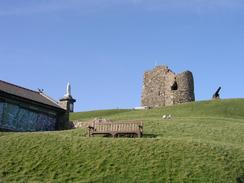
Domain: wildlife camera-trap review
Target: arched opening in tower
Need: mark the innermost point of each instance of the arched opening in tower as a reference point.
(174, 86)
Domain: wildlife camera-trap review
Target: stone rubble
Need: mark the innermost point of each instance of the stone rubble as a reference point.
(82, 124)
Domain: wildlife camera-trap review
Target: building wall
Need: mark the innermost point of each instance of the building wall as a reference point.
(162, 87)
(16, 117)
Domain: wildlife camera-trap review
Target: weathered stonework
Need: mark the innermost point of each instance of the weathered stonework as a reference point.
(162, 87)
(85, 125)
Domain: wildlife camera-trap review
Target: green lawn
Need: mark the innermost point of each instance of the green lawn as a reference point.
(204, 142)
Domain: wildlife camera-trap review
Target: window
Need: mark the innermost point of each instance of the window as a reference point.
(174, 86)
(71, 107)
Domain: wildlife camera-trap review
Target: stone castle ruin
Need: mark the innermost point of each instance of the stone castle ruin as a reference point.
(162, 87)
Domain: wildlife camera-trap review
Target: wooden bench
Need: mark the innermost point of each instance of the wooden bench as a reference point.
(116, 129)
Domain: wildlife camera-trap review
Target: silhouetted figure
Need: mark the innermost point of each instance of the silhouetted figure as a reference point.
(216, 94)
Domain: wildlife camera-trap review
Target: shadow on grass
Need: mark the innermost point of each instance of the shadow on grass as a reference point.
(126, 136)
(149, 136)
(240, 179)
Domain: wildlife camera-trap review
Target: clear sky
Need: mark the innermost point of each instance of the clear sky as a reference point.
(103, 47)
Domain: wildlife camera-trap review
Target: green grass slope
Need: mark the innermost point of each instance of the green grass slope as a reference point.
(204, 142)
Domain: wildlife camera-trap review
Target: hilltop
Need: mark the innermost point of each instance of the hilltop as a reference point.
(204, 142)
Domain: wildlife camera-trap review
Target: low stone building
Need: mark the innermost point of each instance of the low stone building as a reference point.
(22, 109)
(162, 87)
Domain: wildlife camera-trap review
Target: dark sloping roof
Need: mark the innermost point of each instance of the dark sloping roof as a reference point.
(27, 94)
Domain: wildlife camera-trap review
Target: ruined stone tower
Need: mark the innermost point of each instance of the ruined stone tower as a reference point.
(162, 87)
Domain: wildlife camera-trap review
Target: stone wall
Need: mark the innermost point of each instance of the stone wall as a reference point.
(86, 124)
(162, 87)
(14, 117)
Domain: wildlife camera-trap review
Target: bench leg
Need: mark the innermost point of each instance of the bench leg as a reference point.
(115, 135)
(139, 135)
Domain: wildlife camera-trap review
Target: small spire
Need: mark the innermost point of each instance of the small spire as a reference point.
(68, 90)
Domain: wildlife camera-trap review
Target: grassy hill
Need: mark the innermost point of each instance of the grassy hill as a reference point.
(204, 142)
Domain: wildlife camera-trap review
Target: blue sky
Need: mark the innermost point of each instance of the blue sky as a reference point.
(103, 47)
